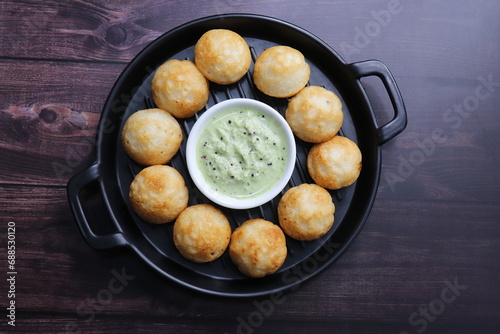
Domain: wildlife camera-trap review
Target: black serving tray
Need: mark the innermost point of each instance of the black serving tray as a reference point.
(114, 171)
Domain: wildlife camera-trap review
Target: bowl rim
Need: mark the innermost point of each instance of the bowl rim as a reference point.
(198, 179)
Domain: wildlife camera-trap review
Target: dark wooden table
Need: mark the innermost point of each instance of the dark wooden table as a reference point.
(427, 259)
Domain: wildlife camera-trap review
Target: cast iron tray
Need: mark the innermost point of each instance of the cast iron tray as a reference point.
(113, 171)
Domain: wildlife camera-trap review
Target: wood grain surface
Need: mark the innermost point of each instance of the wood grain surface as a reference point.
(426, 260)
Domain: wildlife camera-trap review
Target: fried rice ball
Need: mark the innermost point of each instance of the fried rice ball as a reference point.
(158, 194)
(281, 71)
(335, 163)
(315, 114)
(179, 88)
(305, 212)
(222, 56)
(258, 248)
(151, 137)
(201, 233)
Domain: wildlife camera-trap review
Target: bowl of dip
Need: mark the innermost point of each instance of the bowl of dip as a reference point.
(241, 153)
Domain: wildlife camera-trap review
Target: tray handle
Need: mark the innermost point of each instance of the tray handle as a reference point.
(75, 185)
(398, 123)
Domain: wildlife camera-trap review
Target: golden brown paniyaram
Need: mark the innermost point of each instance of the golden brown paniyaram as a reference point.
(281, 71)
(258, 248)
(201, 233)
(305, 212)
(315, 114)
(151, 137)
(335, 163)
(158, 194)
(222, 56)
(179, 88)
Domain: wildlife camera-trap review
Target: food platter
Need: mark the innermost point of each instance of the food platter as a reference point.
(113, 170)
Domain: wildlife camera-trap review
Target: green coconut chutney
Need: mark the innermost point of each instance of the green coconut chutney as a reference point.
(242, 153)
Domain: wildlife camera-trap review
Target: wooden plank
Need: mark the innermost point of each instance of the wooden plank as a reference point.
(99, 30)
(386, 275)
(77, 30)
(449, 139)
(49, 133)
(104, 31)
(49, 113)
(144, 323)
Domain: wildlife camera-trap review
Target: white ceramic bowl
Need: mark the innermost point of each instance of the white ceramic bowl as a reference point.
(198, 178)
